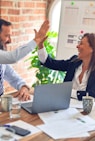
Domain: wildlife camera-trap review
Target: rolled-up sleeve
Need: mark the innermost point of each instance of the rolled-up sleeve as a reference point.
(11, 76)
(10, 57)
(42, 54)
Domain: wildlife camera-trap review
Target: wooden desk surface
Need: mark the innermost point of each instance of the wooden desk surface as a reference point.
(35, 120)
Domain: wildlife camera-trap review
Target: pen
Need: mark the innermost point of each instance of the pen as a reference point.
(73, 98)
(5, 125)
(80, 120)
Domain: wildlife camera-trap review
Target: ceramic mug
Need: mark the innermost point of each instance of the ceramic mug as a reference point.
(6, 102)
(87, 104)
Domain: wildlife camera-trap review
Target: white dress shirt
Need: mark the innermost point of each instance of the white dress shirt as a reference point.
(9, 57)
(76, 84)
(42, 54)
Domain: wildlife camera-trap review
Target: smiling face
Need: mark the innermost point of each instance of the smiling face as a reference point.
(5, 35)
(84, 49)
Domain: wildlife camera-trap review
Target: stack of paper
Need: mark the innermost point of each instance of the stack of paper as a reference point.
(66, 124)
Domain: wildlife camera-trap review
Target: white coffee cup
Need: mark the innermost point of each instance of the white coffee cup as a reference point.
(6, 102)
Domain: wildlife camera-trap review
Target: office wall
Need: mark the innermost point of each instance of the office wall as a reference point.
(77, 18)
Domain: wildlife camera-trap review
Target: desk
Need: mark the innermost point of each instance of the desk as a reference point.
(35, 120)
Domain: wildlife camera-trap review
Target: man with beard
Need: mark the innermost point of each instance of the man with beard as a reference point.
(8, 72)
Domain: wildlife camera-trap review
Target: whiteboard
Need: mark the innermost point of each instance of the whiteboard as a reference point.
(76, 18)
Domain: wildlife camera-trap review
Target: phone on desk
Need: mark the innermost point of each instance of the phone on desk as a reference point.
(18, 130)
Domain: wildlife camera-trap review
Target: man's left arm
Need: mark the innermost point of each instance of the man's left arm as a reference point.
(17, 82)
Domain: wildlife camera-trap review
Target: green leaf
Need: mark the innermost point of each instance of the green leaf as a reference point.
(43, 74)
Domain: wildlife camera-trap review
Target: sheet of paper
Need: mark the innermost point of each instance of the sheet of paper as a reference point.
(70, 114)
(53, 116)
(74, 103)
(63, 129)
(24, 125)
(85, 119)
(31, 100)
(66, 118)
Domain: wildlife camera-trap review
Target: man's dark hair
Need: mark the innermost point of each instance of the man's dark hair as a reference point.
(4, 22)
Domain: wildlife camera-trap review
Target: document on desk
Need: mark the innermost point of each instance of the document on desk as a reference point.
(68, 114)
(58, 115)
(75, 103)
(59, 124)
(31, 100)
(24, 125)
(63, 129)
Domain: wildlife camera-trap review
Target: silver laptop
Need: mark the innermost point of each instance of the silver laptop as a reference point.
(49, 97)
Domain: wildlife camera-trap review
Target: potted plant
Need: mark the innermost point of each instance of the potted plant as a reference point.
(43, 74)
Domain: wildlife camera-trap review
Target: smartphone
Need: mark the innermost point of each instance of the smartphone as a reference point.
(18, 130)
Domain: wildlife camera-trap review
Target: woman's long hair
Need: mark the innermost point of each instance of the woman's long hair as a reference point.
(91, 40)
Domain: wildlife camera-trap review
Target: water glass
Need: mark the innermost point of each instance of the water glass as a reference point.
(6, 135)
(15, 108)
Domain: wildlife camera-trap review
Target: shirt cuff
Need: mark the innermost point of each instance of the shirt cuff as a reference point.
(26, 87)
(42, 54)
